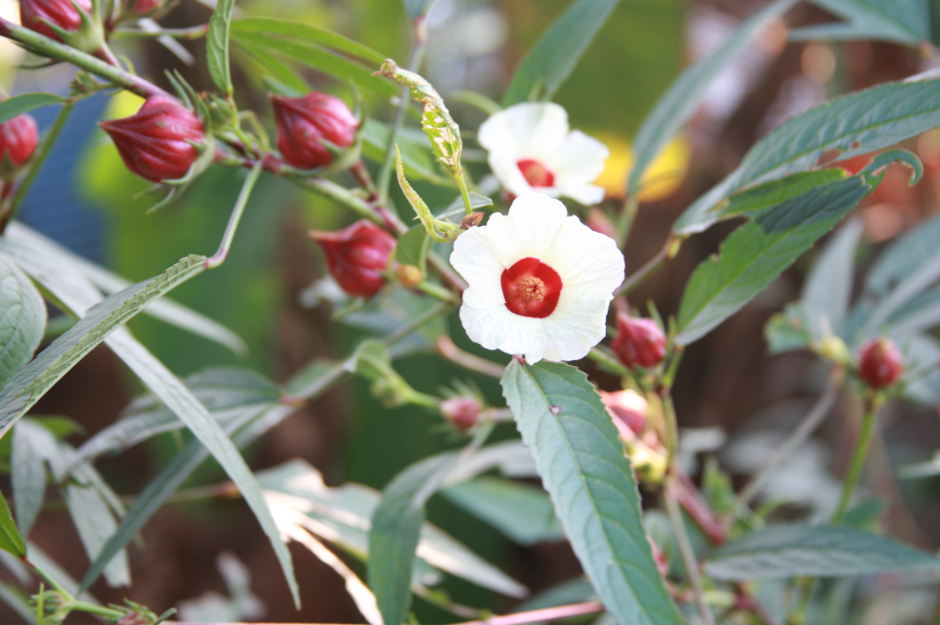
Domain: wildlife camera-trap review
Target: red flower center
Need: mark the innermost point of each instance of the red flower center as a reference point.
(535, 173)
(531, 288)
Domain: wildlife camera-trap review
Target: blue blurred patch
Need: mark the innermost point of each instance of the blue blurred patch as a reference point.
(53, 205)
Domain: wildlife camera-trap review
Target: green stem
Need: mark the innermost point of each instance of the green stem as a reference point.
(438, 292)
(191, 32)
(340, 195)
(858, 457)
(9, 210)
(43, 46)
(464, 193)
(625, 220)
(640, 275)
(385, 173)
(235, 218)
(685, 550)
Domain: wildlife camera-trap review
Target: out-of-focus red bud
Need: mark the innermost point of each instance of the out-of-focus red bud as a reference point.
(18, 139)
(34, 14)
(462, 412)
(304, 123)
(880, 363)
(357, 256)
(143, 7)
(599, 222)
(158, 142)
(639, 342)
(628, 410)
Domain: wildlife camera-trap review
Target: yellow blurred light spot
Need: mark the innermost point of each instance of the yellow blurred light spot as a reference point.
(123, 104)
(662, 177)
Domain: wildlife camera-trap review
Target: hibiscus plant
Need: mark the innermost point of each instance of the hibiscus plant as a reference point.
(486, 238)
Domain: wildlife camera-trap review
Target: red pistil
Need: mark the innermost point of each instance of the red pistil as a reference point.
(535, 173)
(531, 288)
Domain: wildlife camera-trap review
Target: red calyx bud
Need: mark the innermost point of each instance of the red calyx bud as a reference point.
(18, 139)
(304, 123)
(357, 256)
(880, 363)
(628, 410)
(158, 142)
(38, 14)
(639, 342)
(462, 412)
(142, 7)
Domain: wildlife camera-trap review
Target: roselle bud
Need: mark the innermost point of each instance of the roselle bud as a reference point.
(160, 142)
(880, 363)
(628, 409)
(639, 342)
(18, 139)
(304, 124)
(39, 14)
(357, 256)
(142, 7)
(462, 412)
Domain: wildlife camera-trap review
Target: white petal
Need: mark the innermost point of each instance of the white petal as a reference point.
(581, 158)
(533, 129)
(586, 194)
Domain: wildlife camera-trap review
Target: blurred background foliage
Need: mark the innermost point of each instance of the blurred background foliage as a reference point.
(88, 200)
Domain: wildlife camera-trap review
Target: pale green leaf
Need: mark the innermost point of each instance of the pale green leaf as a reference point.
(555, 55)
(307, 33)
(828, 286)
(10, 538)
(27, 474)
(22, 320)
(820, 550)
(25, 102)
(217, 43)
(900, 21)
(582, 463)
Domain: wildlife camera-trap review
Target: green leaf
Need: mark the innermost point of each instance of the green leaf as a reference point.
(757, 252)
(820, 550)
(217, 46)
(23, 103)
(28, 473)
(852, 124)
(227, 392)
(412, 247)
(22, 319)
(755, 200)
(413, 144)
(396, 528)
(10, 538)
(678, 104)
(307, 33)
(28, 243)
(828, 287)
(26, 387)
(319, 58)
(915, 249)
(582, 463)
(901, 21)
(521, 512)
(282, 79)
(555, 55)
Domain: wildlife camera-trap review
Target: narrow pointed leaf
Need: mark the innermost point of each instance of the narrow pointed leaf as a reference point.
(757, 252)
(10, 538)
(217, 43)
(678, 104)
(824, 551)
(555, 55)
(901, 21)
(25, 102)
(852, 124)
(582, 464)
(312, 34)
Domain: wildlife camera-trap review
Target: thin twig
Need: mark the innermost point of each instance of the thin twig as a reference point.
(640, 275)
(686, 551)
(449, 350)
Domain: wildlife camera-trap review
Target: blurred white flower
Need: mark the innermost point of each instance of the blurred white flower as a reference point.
(531, 149)
(540, 281)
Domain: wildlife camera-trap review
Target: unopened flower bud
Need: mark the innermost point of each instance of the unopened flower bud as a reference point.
(18, 139)
(409, 275)
(160, 142)
(142, 7)
(628, 409)
(833, 349)
(462, 412)
(307, 123)
(880, 363)
(639, 342)
(41, 15)
(357, 256)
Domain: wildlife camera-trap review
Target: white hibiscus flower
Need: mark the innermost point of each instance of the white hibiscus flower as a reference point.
(540, 281)
(531, 149)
